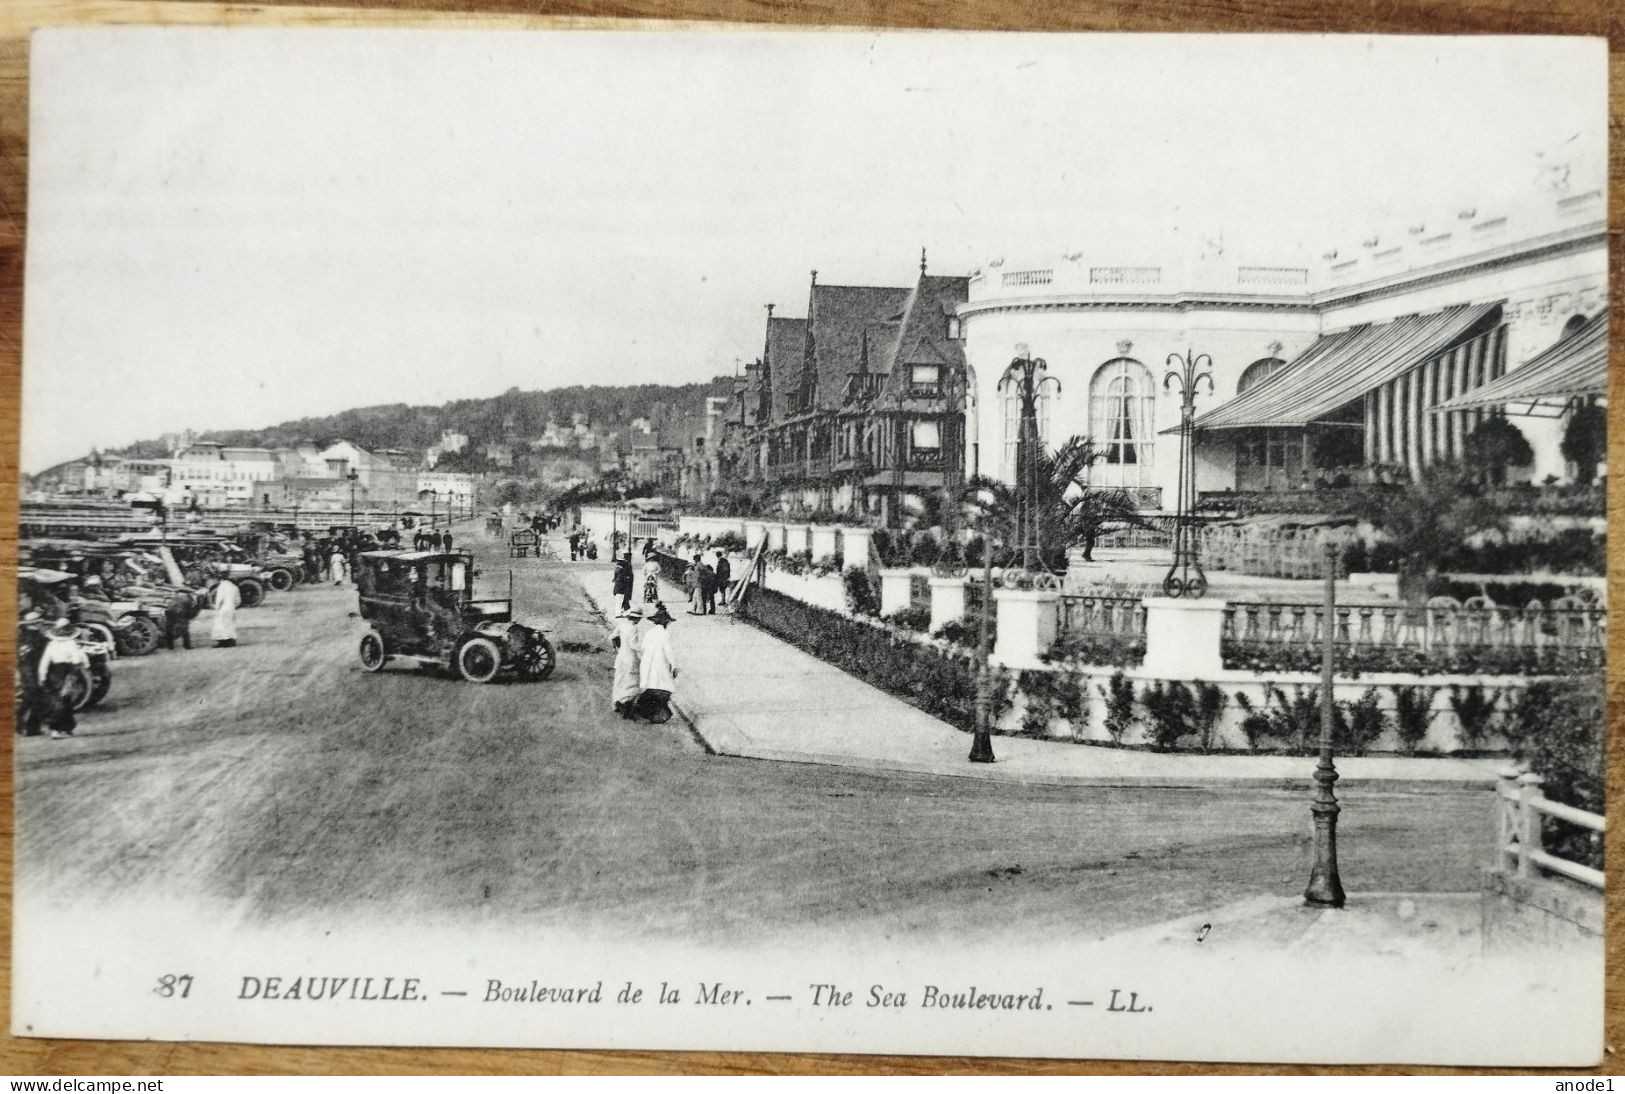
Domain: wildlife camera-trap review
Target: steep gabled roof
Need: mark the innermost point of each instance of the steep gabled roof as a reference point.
(840, 314)
(786, 339)
(922, 336)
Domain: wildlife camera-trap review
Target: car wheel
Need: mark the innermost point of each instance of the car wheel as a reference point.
(538, 661)
(81, 689)
(101, 681)
(479, 660)
(141, 637)
(373, 653)
(281, 580)
(101, 632)
(251, 591)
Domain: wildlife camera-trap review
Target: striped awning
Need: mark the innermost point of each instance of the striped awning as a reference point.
(1341, 367)
(1577, 366)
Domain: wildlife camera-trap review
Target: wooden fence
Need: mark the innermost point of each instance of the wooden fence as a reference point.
(1521, 830)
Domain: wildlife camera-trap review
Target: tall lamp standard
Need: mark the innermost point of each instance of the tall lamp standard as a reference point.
(1185, 577)
(981, 745)
(1325, 887)
(1026, 374)
(352, 476)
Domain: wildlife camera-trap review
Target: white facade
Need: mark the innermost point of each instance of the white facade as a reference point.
(448, 484)
(1107, 323)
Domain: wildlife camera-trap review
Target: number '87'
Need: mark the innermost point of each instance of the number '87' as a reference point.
(173, 987)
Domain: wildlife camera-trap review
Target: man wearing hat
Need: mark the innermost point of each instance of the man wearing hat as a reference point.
(628, 644)
(657, 669)
(61, 665)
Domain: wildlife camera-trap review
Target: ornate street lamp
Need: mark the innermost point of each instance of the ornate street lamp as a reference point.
(1185, 577)
(1026, 374)
(981, 745)
(1325, 887)
(352, 476)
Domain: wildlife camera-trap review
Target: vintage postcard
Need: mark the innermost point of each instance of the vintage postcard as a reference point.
(1037, 545)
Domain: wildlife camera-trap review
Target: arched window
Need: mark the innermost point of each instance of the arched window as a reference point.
(1572, 327)
(1122, 408)
(1256, 372)
(1012, 426)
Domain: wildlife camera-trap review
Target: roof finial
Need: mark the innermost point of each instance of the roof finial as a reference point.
(770, 311)
(815, 277)
(922, 261)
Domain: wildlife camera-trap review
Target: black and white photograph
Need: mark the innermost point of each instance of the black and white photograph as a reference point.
(1045, 545)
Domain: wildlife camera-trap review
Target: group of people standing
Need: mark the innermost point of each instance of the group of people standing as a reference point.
(426, 540)
(704, 581)
(645, 664)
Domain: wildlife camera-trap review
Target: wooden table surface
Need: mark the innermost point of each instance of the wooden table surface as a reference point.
(19, 17)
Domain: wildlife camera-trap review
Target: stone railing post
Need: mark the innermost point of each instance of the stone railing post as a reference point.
(1026, 625)
(896, 591)
(775, 537)
(1508, 820)
(855, 547)
(822, 540)
(947, 601)
(1182, 637)
(1531, 836)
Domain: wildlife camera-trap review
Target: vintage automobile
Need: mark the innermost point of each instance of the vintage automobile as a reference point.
(198, 557)
(81, 577)
(422, 608)
(283, 566)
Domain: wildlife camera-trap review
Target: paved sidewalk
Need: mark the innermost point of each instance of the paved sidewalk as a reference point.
(746, 693)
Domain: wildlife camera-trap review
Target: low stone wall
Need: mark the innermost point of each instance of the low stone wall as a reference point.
(1546, 913)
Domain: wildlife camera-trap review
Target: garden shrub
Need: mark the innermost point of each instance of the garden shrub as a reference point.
(862, 598)
(1563, 742)
(1474, 706)
(1255, 725)
(825, 565)
(1103, 651)
(1119, 695)
(1363, 723)
(941, 683)
(964, 631)
(729, 541)
(1413, 713)
(1210, 704)
(1050, 696)
(915, 617)
(1171, 709)
(925, 551)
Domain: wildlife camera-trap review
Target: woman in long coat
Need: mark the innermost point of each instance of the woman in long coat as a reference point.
(226, 599)
(657, 671)
(628, 644)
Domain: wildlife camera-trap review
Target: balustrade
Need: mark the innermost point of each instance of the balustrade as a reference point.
(1441, 636)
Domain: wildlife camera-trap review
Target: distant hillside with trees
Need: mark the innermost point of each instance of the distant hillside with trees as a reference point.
(517, 415)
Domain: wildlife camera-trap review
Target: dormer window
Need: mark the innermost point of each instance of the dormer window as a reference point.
(924, 380)
(953, 328)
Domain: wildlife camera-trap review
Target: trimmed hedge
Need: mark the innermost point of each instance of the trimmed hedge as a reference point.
(940, 683)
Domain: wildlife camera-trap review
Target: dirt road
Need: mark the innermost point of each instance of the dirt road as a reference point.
(278, 780)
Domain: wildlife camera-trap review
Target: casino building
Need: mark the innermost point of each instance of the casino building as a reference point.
(1387, 351)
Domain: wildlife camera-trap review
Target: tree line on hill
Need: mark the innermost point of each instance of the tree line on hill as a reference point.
(514, 415)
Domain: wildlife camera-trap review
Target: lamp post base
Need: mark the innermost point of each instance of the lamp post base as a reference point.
(1325, 887)
(981, 748)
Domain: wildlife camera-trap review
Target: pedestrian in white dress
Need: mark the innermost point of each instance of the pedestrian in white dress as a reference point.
(657, 670)
(628, 642)
(227, 598)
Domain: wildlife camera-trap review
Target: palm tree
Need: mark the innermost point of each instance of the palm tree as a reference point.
(1070, 512)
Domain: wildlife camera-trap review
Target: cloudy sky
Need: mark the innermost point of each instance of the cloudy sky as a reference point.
(230, 228)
